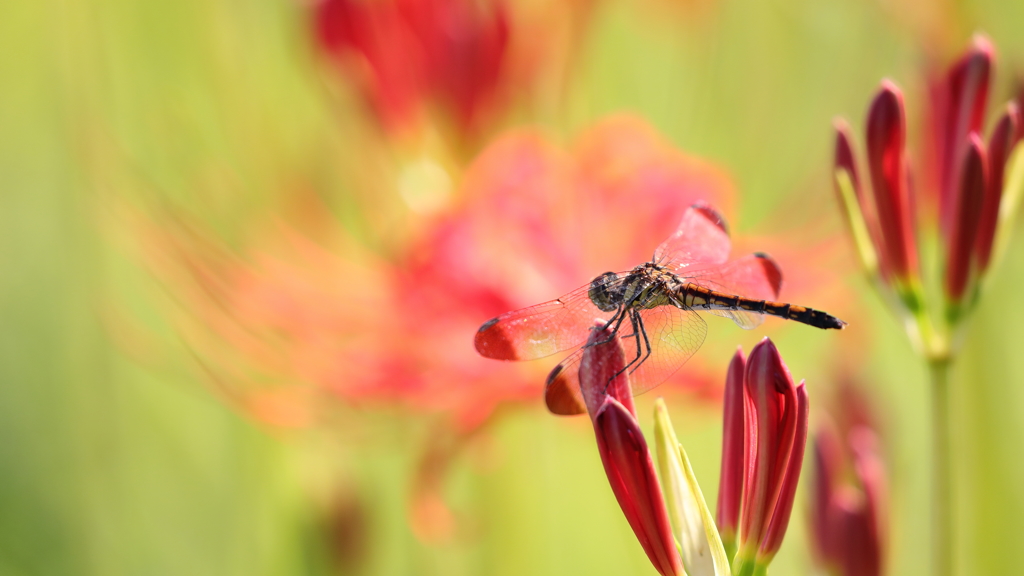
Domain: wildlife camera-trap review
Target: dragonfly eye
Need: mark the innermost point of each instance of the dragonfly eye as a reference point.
(604, 293)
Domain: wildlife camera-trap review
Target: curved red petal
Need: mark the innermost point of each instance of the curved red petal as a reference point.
(960, 270)
(886, 141)
(630, 469)
(730, 486)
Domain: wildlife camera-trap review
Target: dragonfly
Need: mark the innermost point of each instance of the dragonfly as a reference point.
(652, 309)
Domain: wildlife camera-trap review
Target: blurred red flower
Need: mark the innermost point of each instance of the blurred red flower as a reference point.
(286, 322)
(464, 59)
(848, 491)
(299, 323)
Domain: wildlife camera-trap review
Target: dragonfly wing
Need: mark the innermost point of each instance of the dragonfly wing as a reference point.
(702, 236)
(743, 319)
(544, 329)
(562, 394)
(674, 335)
(755, 276)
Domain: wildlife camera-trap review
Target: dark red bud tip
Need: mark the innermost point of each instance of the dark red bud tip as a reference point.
(766, 363)
(886, 137)
(601, 371)
(1004, 137)
(967, 95)
(982, 47)
(844, 154)
(965, 227)
(886, 128)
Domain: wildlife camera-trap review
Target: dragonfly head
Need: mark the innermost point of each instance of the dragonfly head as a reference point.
(605, 293)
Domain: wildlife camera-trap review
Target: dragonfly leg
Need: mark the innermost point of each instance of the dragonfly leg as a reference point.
(638, 328)
(647, 343)
(631, 309)
(617, 320)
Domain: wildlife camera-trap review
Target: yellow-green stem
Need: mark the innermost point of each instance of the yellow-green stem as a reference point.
(743, 565)
(942, 493)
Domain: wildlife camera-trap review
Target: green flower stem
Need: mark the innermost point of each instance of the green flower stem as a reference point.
(729, 543)
(942, 494)
(743, 566)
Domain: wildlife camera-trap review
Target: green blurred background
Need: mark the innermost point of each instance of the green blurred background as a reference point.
(111, 464)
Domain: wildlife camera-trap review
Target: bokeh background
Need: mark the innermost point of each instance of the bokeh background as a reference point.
(180, 180)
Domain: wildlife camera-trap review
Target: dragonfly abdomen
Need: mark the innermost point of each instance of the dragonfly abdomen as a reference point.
(699, 297)
(804, 315)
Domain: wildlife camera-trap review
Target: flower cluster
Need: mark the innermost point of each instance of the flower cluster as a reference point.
(765, 434)
(652, 508)
(279, 321)
(968, 184)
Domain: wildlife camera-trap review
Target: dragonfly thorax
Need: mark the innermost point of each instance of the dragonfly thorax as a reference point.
(646, 286)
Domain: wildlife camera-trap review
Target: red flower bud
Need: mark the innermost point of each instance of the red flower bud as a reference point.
(775, 421)
(1005, 136)
(886, 141)
(845, 517)
(730, 484)
(962, 239)
(966, 97)
(624, 452)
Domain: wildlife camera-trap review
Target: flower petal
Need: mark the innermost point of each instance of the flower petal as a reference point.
(966, 98)
(602, 373)
(971, 195)
(623, 449)
(1004, 137)
(784, 505)
(701, 546)
(771, 422)
(886, 141)
(730, 484)
(627, 462)
(857, 207)
(1013, 192)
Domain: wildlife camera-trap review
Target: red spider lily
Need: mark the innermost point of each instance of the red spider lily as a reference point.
(769, 452)
(967, 180)
(457, 64)
(846, 525)
(402, 52)
(293, 330)
(624, 452)
(533, 220)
